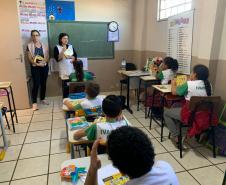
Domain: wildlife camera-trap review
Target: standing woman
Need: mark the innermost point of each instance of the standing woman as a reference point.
(38, 57)
(65, 54)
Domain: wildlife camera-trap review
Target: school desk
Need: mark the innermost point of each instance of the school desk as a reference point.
(83, 162)
(165, 91)
(66, 110)
(82, 141)
(129, 75)
(147, 81)
(5, 142)
(7, 86)
(73, 142)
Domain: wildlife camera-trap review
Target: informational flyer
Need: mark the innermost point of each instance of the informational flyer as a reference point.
(180, 34)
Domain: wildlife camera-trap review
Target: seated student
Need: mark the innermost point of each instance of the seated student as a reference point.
(131, 151)
(198, 85)
(168, 70)
(79, 75)
(112, 109)
(92, 103)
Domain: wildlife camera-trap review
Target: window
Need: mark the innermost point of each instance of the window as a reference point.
(167, 8)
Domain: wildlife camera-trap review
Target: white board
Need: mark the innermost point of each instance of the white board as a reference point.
(180, 34)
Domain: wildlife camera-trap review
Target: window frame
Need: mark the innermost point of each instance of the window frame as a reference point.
(165, 19)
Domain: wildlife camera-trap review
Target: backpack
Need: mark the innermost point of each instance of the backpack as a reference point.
(220, 135)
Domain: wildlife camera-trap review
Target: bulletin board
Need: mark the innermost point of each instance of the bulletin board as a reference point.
(180, 36)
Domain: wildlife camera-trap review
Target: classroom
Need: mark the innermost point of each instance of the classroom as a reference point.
(113, 92)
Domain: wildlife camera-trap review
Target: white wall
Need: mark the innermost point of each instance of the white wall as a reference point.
(222, 54)
(205, 14)
(150, 35)
(109, 10)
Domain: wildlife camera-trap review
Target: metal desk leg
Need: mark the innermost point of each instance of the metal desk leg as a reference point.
(72, 151)
(128, 95)
(138, 97)
(10, 109)
(3, 132)
(152, 104)
(14, 107)
(145, 99)
(162, 118)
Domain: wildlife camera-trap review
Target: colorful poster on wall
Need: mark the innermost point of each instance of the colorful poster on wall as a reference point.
(60, 10)
(32, 15)
(180, 34)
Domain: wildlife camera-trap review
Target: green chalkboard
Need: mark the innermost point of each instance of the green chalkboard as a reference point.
(88, 38)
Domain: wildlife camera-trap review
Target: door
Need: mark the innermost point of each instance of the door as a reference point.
(12, 66)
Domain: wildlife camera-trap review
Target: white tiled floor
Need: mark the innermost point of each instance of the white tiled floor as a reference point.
(39, 147)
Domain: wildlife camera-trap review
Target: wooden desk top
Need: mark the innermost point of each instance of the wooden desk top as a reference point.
(1, 105)
(4, 85)
(83, 162)
(135, 73)
(148, 78)
(163, 88)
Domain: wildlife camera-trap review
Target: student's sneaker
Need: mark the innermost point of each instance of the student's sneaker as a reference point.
(44, 102)
(35, 106)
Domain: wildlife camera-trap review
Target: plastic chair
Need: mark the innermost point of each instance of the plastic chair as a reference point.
(201, 104)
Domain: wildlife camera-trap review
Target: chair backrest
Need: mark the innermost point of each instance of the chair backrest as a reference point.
(77, 87)
(203, 103)
(130, 67)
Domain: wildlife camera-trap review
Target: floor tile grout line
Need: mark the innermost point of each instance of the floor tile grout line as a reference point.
(29, 177)
(220, 168)
(178, 161)
(209, 160)
(183, 166)
(40, 141)
(50, 147)
(20, 151)
(65, 138)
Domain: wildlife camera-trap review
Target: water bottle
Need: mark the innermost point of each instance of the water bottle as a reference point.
(123, 64)
(146, 67)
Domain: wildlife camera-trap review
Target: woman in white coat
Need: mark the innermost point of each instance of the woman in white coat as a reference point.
(65, 54)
